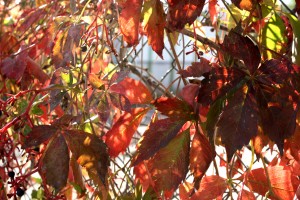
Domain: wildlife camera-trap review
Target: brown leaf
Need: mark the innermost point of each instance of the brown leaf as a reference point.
(119, 136)
(55, 163)
(210, 188)
(201, 156)
(89, 151)
(159, 134)
(129, 20)
(154, 24)
(39, 135)
(182, 12)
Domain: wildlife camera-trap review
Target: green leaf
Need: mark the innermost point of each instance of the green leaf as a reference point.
(295, 23)
(36, 110)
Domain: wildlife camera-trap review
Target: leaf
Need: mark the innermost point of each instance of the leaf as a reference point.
(32, 18)
(175, 108)
(246, 195)
(197, 69)
(58, 54)
(238, 122)
(170, 165)
(283, 183)
(34, 69)
(201, 155)
(185, 190)
(143, 176)
(129, 20)
(56, 98)
(210, 188)
(295, 23)
(39, 135)
(103, 109)
(119, 136)
(89, 151)
(55, 163)
(274, 37)
(9, 43)
(154, 24)
(182, 12)
(189, 93)
(159, 134)
(213, 11)
(13, 68)
(120, 101)
(134, 90)
(242, 48)
(95, 81)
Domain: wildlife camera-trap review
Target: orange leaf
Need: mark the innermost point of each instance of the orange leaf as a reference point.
(119, 136)
(134, 90)
(210, 188)
(283, 183)
(143, 175)
(185, 190)
(213, 11)
(201, 156)
(246, 195)
(154, 24)
(129, 20)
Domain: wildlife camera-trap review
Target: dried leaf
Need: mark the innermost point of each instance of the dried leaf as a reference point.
(39, 135)
(129, 20)
(89, 151)
(55, 163)
(119, 136)
(154, 24)
(159, 134)
(210, 188)
(182, 12)
(134, 90)
(175, 108)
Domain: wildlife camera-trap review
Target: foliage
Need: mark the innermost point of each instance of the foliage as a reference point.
(73, 100)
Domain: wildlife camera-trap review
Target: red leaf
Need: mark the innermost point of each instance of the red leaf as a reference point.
(143, 175)
(283, 183)
(242, 48)
(170, 165)
(174, 108)
(134, 90)
(246, 195)
(189, 93)
(182, 12)
(119, 136)
(120, 101)
(34, 69)
(129, 20)
(238, 122)
(210, 188)
(39, 135)
(9, 44)
(159, 134)
(13, 68)
(154, 24)
(55, 163)
(185, 190)
(197, 69)
(32, 18)
(201, 156)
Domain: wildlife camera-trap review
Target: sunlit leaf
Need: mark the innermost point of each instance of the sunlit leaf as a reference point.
(119, 136)
(159, 134)
(134, 90)
(120, 101)
(175, 108)
(182, 12)
(153, 24)
(197, 69)
(89, 151)
(55, 163)
(129, 20)
(210, 188)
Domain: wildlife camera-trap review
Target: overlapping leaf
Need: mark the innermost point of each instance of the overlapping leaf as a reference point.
(39, 135)
(55, 163)
(119, 136)
(182, 12)
(154, 24)
(197, 69)
(283, 183)
(89, 151)
(159, 134)
(175, 108)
